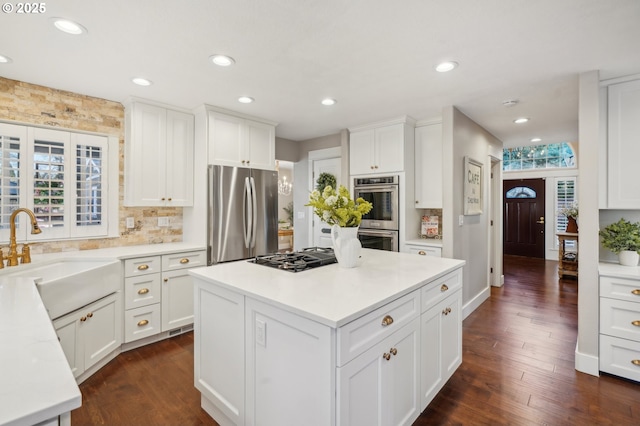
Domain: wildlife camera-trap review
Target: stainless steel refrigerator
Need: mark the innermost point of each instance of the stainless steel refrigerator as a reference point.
(242, 213)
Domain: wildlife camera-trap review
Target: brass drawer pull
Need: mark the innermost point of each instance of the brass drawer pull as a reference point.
(393, 351)
(386, 356)
(143, 291)
(636, 362)
(636, 323)
(184, 260)
(636, 291)
(422, 253)
(446, 311)
(444, 287)
(90, 314)
(143, 267)
(143, 323)
(387, 320)
(83, 319)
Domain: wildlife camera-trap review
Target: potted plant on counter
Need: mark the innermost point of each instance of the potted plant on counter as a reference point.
(623, 238)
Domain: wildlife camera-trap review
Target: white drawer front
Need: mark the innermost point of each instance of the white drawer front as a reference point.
(142, 322)
(437, 290)
(359, 335)
(142, 266)
(620, 357)
(620, 288)
(184, 260)
(620, 318)
(142, 291)
(425, 250)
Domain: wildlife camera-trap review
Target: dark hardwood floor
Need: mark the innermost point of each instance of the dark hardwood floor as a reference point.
(517, 369)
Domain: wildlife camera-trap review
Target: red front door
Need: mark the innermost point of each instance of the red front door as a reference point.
(524, 217)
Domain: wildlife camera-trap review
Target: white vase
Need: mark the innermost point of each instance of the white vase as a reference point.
(628, 258)
(346, 245)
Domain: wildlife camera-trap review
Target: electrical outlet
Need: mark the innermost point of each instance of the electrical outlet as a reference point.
(130, 223)
(300, 215)
(460, 220)
(163, 221)
(261, 332)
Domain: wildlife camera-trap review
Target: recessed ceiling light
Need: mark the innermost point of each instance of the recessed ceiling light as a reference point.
(5, 59)
(245, 99)
(520, 120)
(222, 60)
(328, 102)
(536, 139)
(446, 66)
(68, 26)
(142, 81)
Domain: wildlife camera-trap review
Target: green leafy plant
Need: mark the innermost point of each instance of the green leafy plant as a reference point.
(324, 180)
(289, 211)
(620, 236)
(337, 208)
(569, 211)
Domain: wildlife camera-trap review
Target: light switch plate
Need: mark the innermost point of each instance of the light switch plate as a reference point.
(261, 333)
(130, 223)
(163, 221)
(460, 220)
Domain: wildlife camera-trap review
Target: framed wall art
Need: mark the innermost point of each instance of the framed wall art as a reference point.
(472, 187)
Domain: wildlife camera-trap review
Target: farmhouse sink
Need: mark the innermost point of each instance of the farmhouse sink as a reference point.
(67, 285)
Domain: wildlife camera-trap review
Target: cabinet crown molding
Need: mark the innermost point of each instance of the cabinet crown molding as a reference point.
(204, 108)
(128, 103)
(429, 121)
(405, 119)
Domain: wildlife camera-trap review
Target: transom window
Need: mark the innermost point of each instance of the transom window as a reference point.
(551, 156)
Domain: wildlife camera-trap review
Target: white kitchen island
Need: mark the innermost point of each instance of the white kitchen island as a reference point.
(370, 345)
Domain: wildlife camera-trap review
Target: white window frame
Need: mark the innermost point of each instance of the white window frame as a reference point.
(70, 231)
(556, 204)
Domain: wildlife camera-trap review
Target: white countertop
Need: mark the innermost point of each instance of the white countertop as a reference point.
(618, 271)
(36, 383)
(332, 295)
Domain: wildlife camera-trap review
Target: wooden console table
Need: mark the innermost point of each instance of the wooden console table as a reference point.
(566, 264)
(287, 233)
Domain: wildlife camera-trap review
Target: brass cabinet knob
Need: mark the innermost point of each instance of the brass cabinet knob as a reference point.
(417, 202)
(636, 362)
(636, 323)
(143, 323)
(143, 267)
(184, 260)
(444, 287)
(446, 311)
(387, 320)
(143, 291)
(83, 319)
(162, 199)
(386, 356)
(166, 280)
(636, 292)
(372, 167)
(393, 351)
(422, 253)
(90, 314)
(169, 199)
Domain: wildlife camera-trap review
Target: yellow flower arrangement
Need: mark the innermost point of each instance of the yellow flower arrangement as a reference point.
(337, 208)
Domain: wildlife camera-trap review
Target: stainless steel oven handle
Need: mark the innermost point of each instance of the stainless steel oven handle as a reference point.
(376, 188)
(376, 232)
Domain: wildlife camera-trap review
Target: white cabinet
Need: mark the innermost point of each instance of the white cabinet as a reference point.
(428, 166)
(382, 149)
(623, 192)
(159, 144)
(158, 293)
(620, 326)
(90, 333)
(381, 386)
(238, 141)
(422, 249)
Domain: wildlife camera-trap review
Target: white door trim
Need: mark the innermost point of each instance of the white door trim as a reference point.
(320, 154)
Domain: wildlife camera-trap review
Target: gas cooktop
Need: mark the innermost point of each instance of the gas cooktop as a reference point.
(298, 261)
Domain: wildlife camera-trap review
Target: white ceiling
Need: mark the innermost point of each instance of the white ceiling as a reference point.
(376, 57)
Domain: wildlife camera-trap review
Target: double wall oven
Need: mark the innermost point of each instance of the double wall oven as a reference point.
(379, 227)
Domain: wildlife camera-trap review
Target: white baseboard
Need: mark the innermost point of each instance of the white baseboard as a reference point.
(473, 304)
(588, 364)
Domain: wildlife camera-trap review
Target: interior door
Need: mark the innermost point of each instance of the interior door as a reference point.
(322, 231)
(524, 202)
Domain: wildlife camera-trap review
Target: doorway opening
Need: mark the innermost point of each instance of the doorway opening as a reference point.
(524, 217)
(285, 205)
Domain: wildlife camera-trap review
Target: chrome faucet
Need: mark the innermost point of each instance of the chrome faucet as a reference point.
(13, 256)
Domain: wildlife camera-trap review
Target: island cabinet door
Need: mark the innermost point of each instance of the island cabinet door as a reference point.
(381, 386)
(441, 341)
(290, 368)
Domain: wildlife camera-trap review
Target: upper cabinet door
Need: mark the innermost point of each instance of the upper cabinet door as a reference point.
(260, 143)
(179, 183)
(225, 138)
(361, 157)
(389, 148)
(623, 146)
(428, 166)
(379, 149)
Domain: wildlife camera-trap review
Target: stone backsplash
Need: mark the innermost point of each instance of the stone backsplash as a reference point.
(42, 106)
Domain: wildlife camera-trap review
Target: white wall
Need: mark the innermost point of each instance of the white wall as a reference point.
(463, 137)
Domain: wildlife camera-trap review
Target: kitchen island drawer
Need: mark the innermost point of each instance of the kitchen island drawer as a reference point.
(142, 291)
(440, 288)
(620, 288)
(359, 335)
(142, 266)
(620, 318)
(142, 322)
(191, 259)
(620, 357)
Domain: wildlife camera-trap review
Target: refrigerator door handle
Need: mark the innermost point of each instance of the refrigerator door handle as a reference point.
(254, 211)
(247, 213)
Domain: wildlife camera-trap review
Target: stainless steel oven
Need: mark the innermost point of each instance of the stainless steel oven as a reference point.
(378, 239)
(383, 193)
